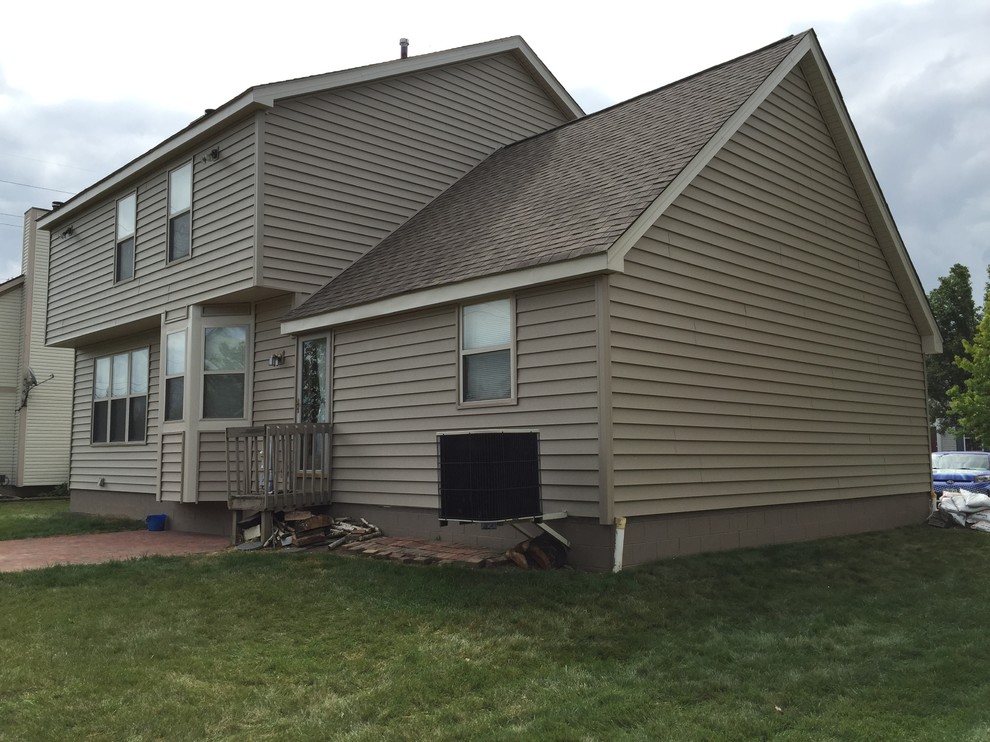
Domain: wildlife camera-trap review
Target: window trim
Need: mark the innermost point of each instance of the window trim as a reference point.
(512, 399)
(169, 216)
(119, 239)
(127, 397)
(183, 374)
(301, 340)
(210, 323)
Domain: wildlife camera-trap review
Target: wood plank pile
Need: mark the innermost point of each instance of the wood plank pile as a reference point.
(419, 551)
(303, 529)
(542, 552)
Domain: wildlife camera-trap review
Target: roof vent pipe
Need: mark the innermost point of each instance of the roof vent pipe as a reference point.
(404, 48)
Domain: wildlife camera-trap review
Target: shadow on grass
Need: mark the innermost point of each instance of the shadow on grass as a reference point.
(866, 637)
(38, 518)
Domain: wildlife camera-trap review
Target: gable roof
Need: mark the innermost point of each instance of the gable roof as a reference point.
(572, 201)
(265, 96)
(11, 283)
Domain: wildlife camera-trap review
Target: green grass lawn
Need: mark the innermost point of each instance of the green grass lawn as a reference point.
(875, 637)
(33, 518)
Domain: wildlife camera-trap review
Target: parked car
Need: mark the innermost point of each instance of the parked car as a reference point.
(955, 470)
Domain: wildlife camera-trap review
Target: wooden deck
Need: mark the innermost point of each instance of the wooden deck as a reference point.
(284, 466)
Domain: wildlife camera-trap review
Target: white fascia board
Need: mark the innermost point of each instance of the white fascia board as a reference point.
(549, 82)
(11, 284)
(197, 131)
(887, 234)
(639, 228)
(452, 293)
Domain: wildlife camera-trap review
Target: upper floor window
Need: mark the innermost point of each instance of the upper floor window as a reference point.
(180, 212)
(124, 245)
(120, 397)
(224, 371)
(486, 351)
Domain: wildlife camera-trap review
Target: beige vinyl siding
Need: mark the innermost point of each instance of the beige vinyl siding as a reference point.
(212, 485)
(126, 467)
(172, 457)
(45, 435)
(84, 299)
(343, 169)
(761, 352)
(395, 387)
(11, 322)
(274, 388)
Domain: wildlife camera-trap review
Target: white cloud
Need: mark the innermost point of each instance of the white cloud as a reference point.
(917, 84)
(9, 269)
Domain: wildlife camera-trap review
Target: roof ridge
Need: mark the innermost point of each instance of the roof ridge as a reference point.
(656, 90)
(490, 42)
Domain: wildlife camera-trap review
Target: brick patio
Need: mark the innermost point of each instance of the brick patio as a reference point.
(96, 548)
(413, 551)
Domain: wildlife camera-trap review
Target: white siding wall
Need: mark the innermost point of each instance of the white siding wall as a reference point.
(394, 388)
(344, 169)
(126, 467)
(44, 434)
(84, 299)
(761, 351)
(11, 318)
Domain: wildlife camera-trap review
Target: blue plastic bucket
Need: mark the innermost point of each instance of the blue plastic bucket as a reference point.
(156, 522)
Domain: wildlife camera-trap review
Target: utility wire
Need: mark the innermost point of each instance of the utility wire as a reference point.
(40, 188)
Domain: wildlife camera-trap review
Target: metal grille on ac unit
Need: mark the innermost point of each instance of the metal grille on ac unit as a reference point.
(489, 475)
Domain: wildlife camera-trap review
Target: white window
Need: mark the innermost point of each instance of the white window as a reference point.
(175, 375)
(120, 397)
(224, 371)
(313, 386)
(487, 351)
(124, 245)
(180, 212)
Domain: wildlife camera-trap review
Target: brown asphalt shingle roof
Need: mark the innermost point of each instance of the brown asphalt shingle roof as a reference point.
(563, 194)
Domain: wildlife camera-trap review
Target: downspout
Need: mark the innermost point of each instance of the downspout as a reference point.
(933, 499)
(620, 542)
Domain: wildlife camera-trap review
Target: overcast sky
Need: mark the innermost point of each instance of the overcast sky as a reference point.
(86, 87)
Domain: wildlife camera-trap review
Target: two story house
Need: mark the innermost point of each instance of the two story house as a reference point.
(696, 301)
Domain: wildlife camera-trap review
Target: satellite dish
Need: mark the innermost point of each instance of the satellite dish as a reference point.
(30, 382)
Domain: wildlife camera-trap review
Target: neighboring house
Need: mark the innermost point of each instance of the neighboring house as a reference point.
(698, 298)
(35, 381)
(949, 442)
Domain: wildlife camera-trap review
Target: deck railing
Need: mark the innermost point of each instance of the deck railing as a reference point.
(278, 467)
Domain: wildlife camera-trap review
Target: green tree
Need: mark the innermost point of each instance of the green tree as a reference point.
(969, 401)
(956, 315)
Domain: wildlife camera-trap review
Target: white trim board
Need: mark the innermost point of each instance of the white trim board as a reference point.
(452, 293)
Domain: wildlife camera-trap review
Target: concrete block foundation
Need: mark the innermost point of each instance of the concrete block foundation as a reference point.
(647, 538)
